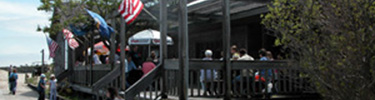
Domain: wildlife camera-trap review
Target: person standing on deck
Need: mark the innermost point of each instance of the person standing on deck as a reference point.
(13, 81)
(154, 58)
(244, 55)
(274, 71)
(234, 52)
(96, 58)
(41, 87)
(245, 72)
(269, 55)
(147, 66)
(132, 74)
(130, 65)
(262, 54)
(263, 57)
(206, 75)
(136, 56)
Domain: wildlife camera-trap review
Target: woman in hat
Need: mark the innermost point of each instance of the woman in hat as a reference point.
(52, 87)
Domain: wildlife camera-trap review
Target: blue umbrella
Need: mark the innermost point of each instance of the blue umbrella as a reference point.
(79, 31)
(104, 29)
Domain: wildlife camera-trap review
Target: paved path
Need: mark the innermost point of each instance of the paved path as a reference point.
(23, 91)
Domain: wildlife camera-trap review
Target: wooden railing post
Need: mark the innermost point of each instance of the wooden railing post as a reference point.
(226, 42)
(183, 51)
(122, 53)
(112, 60)
(163, 43)
(92, 40)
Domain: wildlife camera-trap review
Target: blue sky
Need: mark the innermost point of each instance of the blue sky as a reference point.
(19, 41)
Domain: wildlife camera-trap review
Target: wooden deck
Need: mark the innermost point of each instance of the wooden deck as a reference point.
(288, 81)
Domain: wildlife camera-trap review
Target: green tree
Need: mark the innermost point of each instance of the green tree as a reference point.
(332, 40)
(66, 12)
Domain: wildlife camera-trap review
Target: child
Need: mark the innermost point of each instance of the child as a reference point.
(52, 86)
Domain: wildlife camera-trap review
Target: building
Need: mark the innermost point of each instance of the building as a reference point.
(205, 28)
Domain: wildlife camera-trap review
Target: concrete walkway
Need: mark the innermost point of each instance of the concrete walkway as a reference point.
(23, 91)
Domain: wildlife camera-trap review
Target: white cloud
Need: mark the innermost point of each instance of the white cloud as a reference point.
(18, 36)
(23, 9)
(25, 25)
(22, 18)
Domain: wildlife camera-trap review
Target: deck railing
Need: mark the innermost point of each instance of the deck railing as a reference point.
(276, 77)
(83, 75)
(248, 79)
(94, 80)
(148, 87)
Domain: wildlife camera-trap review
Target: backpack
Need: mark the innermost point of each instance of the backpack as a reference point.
(12, 78)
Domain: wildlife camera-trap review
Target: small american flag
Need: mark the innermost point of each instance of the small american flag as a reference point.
(52, 46)
(130, 9)
(69, 37)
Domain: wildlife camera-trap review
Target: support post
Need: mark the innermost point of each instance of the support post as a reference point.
(163, 43)
(72, 55)
(87, 61)
(226, 42)
(112, 59)
(66, 48)
(42, 61)
(92, 59)
(122, 53)
(183, 51)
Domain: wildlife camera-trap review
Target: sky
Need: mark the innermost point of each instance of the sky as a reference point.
(20, 43)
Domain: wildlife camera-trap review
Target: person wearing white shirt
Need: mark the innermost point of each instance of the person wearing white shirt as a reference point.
(96, 58)
(53, 87)
(244, 55)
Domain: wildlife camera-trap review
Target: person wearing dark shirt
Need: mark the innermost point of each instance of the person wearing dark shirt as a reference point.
(136, 56)
(13, 81)
(41, 87)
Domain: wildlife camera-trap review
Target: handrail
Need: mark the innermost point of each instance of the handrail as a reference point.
(215, 64)
(106, 79)
(142, 83)
(95, 67)
(287, 78)
(64, 74)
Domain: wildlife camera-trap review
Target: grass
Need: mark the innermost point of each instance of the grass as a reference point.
(32, 80)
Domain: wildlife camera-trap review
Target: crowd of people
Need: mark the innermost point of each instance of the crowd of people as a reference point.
(239, 55)
(135, 68)
(135, 65)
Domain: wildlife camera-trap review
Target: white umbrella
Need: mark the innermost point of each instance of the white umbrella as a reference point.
(148, 37)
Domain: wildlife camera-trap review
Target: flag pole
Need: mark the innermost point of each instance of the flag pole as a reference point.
(148, 12)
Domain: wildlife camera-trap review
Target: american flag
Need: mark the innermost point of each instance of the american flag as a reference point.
(130, 9)
(52, 46)
(69, 37)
